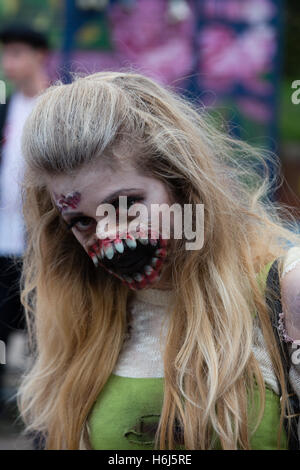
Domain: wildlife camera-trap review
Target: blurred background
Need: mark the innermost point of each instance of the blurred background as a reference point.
(238, 58)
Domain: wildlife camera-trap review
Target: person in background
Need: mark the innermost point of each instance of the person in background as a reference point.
(23, 61)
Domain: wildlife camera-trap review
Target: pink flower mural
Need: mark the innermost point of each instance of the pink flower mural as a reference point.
(255, 109)
(227, 58)
(254, 11)
(227, 48)
(144, 37)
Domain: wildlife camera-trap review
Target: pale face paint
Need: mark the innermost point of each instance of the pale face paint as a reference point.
(80, 195)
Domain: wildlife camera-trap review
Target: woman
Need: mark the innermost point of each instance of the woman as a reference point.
(139, 341)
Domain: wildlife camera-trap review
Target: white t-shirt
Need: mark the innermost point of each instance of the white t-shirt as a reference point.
(12, 240)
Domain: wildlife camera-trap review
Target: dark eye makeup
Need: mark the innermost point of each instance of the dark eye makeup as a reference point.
(130, 201)
(80, 219)
(88, 222)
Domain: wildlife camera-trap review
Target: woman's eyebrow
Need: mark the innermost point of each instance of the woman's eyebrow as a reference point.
(117, 193)
(107, 200)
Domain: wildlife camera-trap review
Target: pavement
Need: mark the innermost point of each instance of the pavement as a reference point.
(12, 435)
(12, 432)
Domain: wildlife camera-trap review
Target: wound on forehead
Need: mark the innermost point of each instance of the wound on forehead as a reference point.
(70, 200)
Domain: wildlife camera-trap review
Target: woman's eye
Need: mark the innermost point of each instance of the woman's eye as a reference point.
(133, 200)
(82, 224)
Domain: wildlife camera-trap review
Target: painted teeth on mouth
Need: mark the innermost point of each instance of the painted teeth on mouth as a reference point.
(95, 259)
(131, 243)
(119, 246)
(148, 270)
(154, 261)
(99, 252)
(109, 252)
(160, 252)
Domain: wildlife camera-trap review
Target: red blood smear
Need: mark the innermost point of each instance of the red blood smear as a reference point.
(161, 252)
(163, 242)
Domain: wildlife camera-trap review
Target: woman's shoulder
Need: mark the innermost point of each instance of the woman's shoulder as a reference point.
(290, 295)
(291, 261)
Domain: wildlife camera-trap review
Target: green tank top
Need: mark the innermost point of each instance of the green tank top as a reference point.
(127, 411)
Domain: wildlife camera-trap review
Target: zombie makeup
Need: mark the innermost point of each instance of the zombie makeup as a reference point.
(136, 261)
(70, 200)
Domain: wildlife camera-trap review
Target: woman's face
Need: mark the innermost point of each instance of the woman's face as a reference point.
(77, 197)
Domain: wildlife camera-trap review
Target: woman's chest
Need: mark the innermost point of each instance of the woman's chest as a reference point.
(126, 413)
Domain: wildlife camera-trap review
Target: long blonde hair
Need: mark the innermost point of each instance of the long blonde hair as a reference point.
(76, 314)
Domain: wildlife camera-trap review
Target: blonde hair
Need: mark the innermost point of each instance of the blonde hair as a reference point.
(77, 315)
